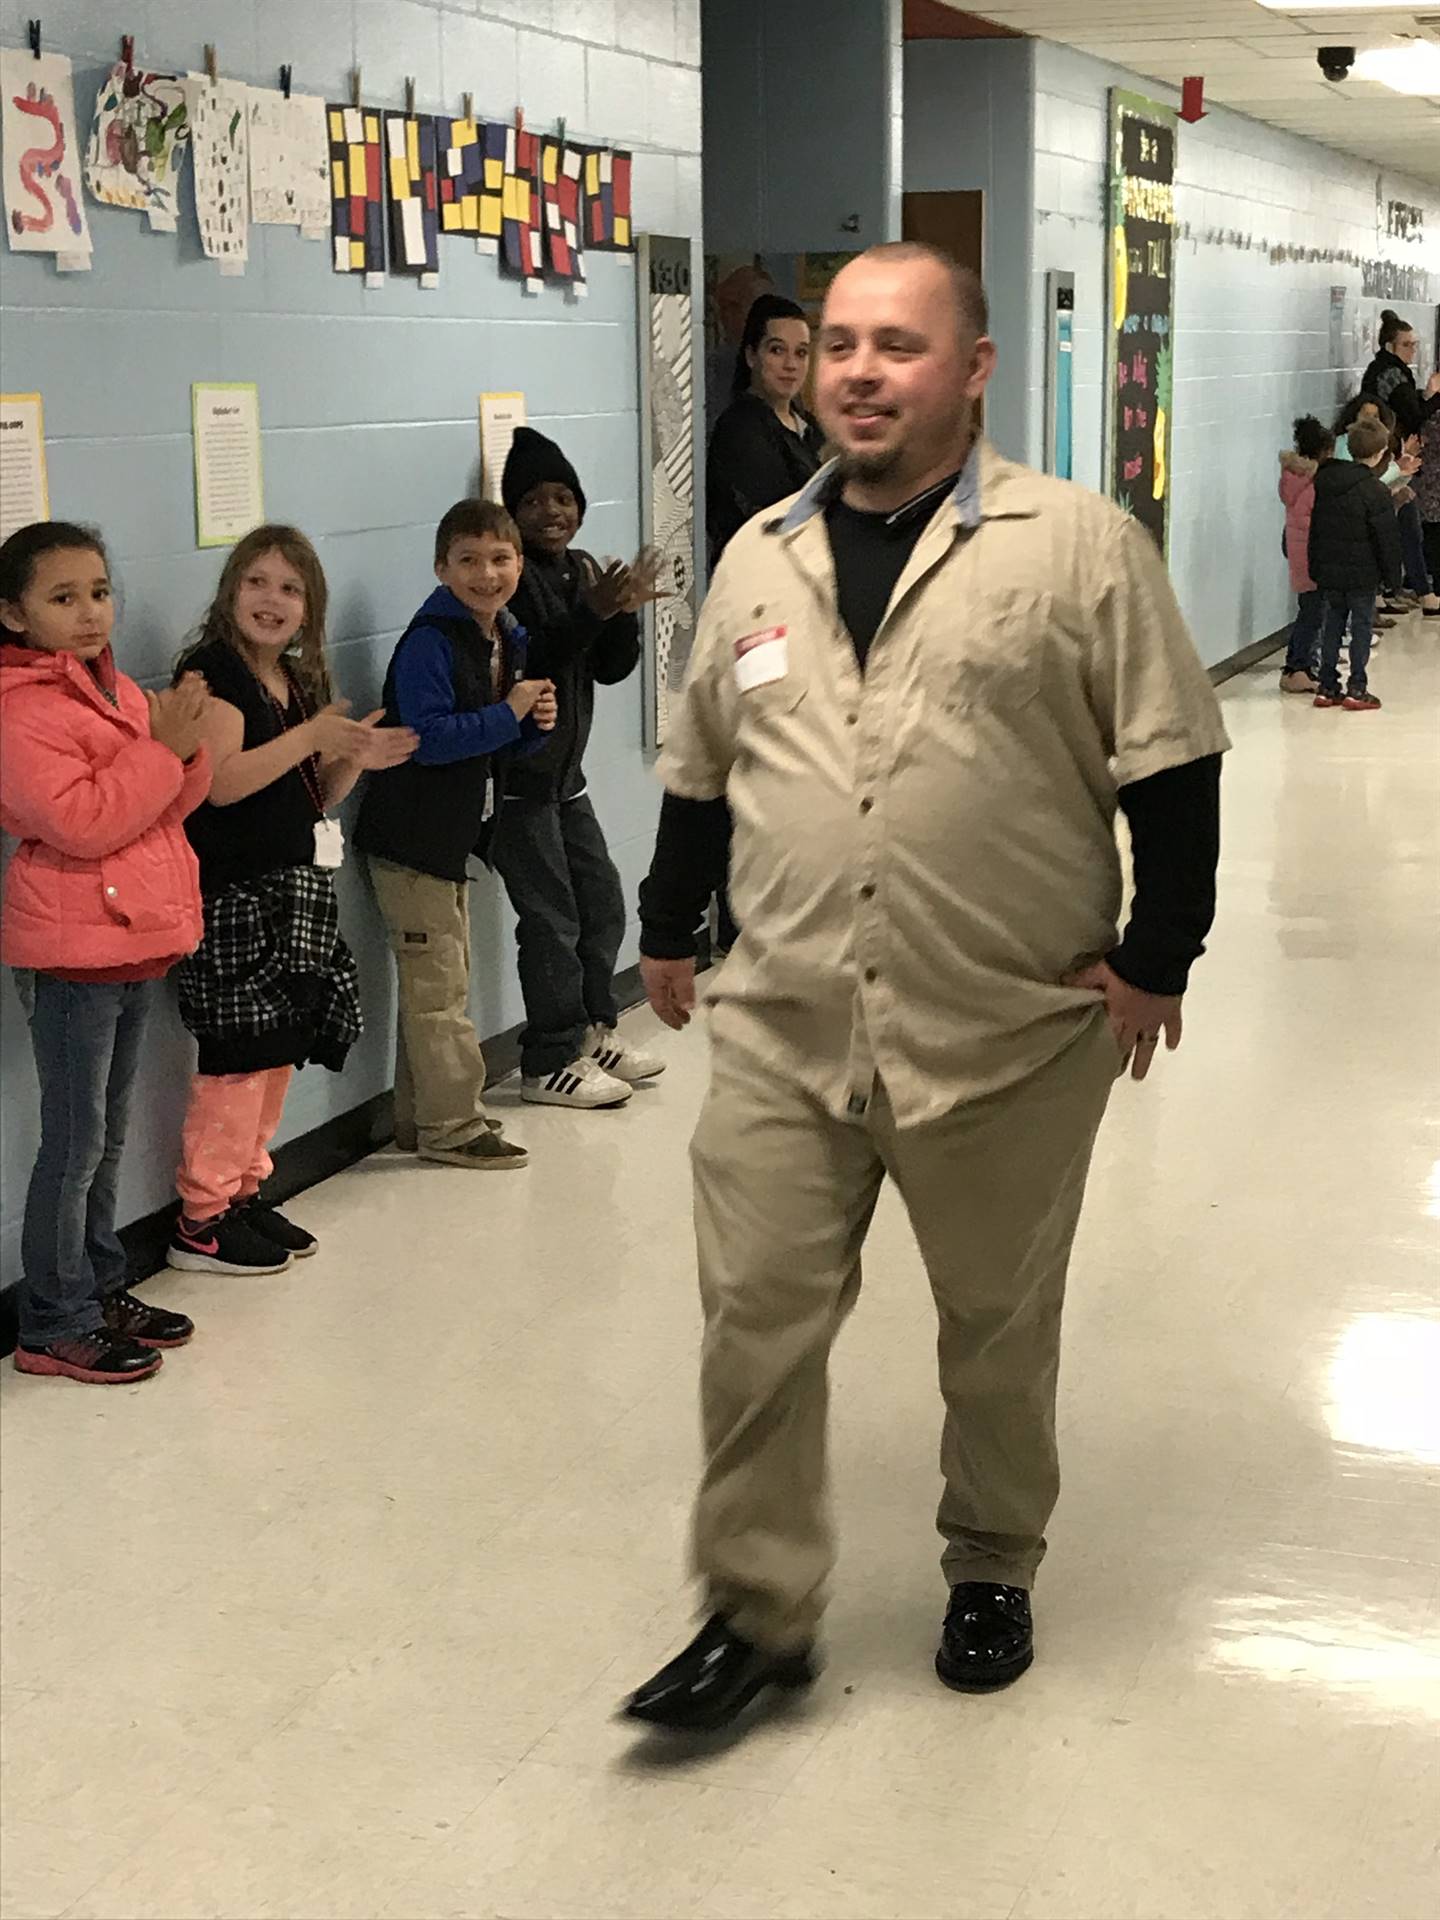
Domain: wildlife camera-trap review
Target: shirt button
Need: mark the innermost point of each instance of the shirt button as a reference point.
(866, 805)
(852, 719)
(111, 892)
(867, 892)
(871, 976)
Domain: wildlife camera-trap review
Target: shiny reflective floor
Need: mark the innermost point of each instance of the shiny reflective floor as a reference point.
(330, 1619)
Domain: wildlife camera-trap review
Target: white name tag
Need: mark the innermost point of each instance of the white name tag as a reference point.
(329, 844)
(761, 658)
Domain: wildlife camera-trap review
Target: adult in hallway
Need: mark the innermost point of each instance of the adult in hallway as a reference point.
(764, 447)
(924, 683)
(1390, 377)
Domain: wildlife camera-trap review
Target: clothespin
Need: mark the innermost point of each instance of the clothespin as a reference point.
(560, 129)
(519, 119)
(467, 103)
(212, 65)
(409, 96)
(34, 28)
(127, 50)
(285, 81)
(355, 87)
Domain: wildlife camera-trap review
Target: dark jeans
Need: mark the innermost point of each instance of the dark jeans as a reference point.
(1303, 653)
(87, 1047)
(1359, 610)
(570, 906)
(1412, 541)
(1432, 552)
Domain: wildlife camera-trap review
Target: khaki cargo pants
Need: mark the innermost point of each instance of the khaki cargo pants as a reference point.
(784, 1194)
(439, 1068)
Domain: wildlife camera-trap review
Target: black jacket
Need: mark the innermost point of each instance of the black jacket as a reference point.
(753, 462)
(429, 813)
(1390, 380)
(1354, 536)
(577, 650)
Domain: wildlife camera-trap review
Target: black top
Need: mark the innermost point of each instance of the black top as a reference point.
(275, 827)
(1354, 535)
(753, 462)
(432, 816)
(870, 551)
(1391, 380)
(577, 650)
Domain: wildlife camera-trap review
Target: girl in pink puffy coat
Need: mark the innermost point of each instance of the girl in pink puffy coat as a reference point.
(1314, 443)
(101, 898)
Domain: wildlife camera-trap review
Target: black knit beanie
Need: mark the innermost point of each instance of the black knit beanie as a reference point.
(532, 461)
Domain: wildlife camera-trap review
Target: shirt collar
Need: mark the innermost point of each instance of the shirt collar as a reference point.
(818, 493)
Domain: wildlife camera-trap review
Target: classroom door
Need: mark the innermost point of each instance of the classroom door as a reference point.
(954, 222)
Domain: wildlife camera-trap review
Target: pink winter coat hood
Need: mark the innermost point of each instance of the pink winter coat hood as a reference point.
(104, 876)
(1297, 490)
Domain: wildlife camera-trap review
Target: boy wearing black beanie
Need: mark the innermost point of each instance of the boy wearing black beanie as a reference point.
(549, 849)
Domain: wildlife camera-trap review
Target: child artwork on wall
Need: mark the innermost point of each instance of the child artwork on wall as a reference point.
(607, 200)
(219, 131)
(469, 202)
(496, 137)
(560, 192)
(414, 209)
(357, 207)
(44, 207)
(138, 140)
(289, 161)
(522, 251)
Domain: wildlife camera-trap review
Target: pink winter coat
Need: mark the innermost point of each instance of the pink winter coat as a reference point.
(104, 876)
(1297, 490)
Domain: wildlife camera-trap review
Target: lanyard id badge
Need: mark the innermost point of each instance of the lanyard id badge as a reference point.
(329, 843)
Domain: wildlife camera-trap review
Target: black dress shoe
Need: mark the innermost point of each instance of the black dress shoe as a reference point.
(713, 1681)
(988, 1639)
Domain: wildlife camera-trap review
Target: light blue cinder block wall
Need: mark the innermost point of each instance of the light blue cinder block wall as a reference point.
(1027, 124)
(368, 402)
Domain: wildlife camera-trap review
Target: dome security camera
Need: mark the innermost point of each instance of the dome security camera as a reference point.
(1336, 62)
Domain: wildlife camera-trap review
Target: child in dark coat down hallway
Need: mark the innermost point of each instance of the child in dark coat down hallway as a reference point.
(1354, 551)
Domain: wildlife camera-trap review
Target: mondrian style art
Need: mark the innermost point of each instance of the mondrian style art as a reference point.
(522, 249)
(414, 208)
(560, 169)
(471, 184)
(606, 181)
(357, 190)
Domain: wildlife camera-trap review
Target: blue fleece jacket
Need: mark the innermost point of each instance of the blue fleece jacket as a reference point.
(425, 694)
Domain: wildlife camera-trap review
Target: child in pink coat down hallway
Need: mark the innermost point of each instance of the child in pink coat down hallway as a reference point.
(1313, 443)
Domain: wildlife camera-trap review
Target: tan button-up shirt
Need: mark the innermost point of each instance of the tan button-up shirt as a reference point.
(923, 852)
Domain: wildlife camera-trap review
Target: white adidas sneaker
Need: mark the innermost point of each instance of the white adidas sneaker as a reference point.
(622, 1058)
(583, 1084)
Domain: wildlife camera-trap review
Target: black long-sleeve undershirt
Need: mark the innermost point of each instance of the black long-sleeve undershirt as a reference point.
(1174, 821)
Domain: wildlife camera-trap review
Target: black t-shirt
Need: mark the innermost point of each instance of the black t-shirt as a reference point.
(870, 551)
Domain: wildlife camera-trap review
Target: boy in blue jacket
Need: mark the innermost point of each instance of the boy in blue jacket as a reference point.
(457, 678)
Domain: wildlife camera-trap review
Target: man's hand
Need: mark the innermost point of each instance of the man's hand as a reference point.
(670, 989)
(1137, 1019)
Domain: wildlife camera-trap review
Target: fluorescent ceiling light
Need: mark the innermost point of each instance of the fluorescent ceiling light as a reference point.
(1410, 69)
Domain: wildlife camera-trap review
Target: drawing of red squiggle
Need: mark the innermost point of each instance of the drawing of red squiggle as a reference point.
(39, 163)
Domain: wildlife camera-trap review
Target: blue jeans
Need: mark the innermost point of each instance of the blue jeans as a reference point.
(1359, 610)
(1304, 650)
(87, 1048)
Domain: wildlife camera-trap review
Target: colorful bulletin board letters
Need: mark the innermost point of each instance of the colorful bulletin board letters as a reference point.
(357, 191)
(414, 202)
(1142, 258)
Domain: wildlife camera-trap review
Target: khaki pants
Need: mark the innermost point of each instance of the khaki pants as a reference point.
(439, 1068)
(784, 1194)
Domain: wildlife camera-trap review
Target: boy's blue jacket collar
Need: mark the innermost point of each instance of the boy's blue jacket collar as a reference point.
(449, 604)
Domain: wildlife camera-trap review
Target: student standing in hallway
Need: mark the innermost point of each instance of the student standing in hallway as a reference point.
(925, 685)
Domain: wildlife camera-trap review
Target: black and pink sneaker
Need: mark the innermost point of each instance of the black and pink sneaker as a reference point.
(225, 1245)
(99, 1359)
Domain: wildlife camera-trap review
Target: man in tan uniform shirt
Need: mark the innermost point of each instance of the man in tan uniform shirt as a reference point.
(922, 686)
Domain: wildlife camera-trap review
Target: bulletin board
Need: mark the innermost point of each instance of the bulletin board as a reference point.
(1141, 250)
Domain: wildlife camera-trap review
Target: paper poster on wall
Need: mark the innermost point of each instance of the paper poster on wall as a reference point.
(44, 204)
(357, 190)
(219, 132)
(1141, 268)
(414, 208)
(24, 484)
(289, 161)
(667, 488)
(229, 494)
(139, 136)
(500, 415)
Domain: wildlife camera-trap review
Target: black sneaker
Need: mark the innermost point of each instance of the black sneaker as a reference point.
(147, 1326)
(275, 1227)
(226, 1245)
(100, 1359)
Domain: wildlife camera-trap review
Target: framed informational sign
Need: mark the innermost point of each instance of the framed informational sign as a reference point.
(667, 481)
(1141, 287)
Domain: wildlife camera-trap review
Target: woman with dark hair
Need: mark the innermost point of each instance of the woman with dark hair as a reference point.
(765, 446)
(1404, 463)
(1390, 377)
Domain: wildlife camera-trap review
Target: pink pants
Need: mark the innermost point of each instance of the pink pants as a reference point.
(229, 1124)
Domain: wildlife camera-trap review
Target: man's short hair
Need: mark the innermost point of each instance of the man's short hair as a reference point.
(470, 519)
(969, 290)
(1365, 439)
